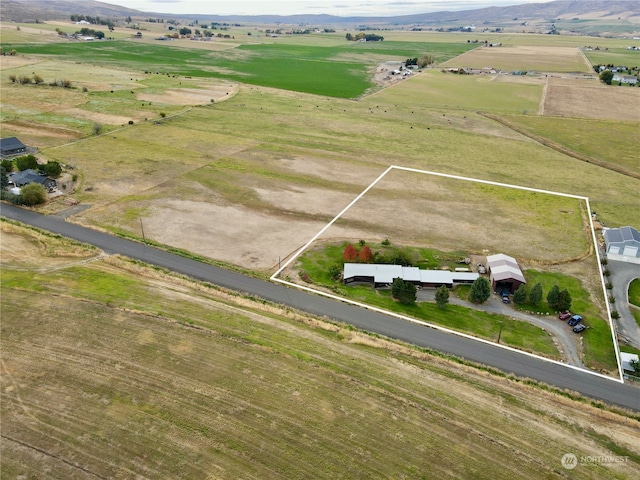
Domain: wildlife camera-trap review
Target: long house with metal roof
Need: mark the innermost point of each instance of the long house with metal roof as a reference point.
(381, 275)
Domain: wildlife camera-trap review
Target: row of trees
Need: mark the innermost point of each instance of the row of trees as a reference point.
(558, 300)
(364, 254)
(426, 60)
(367, 37)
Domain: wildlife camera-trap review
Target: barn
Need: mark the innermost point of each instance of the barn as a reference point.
(11, 146)
(623, 244)
(504, 273)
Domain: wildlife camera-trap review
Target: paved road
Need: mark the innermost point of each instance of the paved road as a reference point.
(561, 376)
(622, 273)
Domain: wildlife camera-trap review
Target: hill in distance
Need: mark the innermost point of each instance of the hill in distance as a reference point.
(626, 11)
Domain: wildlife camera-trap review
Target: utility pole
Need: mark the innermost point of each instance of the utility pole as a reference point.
(142, 228)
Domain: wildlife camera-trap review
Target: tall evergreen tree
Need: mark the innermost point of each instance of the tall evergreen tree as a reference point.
(520, 295)
(535, 295)
(480, 290)
(552, 297)
(442, 296)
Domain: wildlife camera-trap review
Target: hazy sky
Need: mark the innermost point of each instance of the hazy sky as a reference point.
(343, 8)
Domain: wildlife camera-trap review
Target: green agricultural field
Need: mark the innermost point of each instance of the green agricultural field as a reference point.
(336, 71)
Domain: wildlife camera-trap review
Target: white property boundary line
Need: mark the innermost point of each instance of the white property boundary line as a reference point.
(275, 276)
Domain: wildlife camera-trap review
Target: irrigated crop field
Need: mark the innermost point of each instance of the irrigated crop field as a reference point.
(125, 372)
(243, 163)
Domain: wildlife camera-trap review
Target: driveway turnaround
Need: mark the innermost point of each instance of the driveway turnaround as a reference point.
(622, 273)
(506, 360)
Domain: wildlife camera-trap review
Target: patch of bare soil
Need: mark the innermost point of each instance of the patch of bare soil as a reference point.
(234, 234)
(192, 96)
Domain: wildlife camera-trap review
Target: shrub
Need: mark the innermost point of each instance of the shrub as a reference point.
(615, 315)
(386, 242)
(609, 285)
(33, 194)
(606, 272)
(97, 128)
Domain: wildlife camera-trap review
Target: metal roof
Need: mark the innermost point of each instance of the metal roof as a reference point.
(504, 267)
(621, 235)
(11, 143)
(387, 273)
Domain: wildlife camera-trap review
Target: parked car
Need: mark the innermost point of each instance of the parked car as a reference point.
(575, 320)
(565, 315)
(505, 296)
(579, 328)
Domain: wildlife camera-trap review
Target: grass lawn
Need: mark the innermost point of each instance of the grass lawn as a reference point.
(634, 292)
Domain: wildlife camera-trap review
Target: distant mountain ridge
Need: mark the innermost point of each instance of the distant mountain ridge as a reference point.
(629, 10)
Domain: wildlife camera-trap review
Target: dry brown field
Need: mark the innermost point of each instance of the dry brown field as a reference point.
(125, 372)
(525, 58)
(577, 98)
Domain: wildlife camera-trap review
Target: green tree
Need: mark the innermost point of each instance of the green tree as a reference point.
(480, 290)
(33, 194)
(97, 128)
(7, 165)
(51, 169)
(520, 295)
(564, 301)
(335, 271)
(404, 292)
(535, 295)
(4, 176)
(426, 60)
(552, 297)
(606, 76)
(442, 296)
(26, 161)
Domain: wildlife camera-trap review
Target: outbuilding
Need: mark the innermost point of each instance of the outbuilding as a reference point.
(11, 146)
(504, 273)
(622, 244)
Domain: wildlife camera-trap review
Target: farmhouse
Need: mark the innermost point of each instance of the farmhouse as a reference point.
(623, 244)
(504, 273)
(25, 177)
(383, 275)
(11, 146)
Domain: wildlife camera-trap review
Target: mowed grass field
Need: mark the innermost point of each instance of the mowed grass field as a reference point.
(205, 384)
